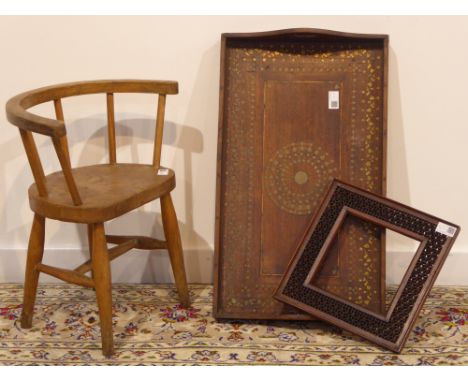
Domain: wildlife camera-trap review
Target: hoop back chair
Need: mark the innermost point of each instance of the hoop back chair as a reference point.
(94, 194)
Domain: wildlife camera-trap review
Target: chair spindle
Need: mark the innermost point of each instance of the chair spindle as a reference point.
(58, 110)
(159, 130)
(111, 128)
(34, 161)
(61, 148)
(59, 115)
(63, 153)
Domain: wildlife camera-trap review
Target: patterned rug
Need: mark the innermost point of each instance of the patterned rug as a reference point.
(150, 329)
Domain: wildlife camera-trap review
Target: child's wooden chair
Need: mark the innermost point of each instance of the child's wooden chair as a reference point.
(94, 194)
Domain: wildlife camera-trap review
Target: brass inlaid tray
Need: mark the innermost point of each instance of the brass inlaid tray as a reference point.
(298, 108)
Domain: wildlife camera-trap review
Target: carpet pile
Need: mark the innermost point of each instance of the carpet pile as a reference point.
(151, 329)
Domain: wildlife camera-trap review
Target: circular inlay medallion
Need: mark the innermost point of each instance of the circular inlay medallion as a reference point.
(297, 175)
(301, 177)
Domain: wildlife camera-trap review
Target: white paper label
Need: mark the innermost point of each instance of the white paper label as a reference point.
(163, 171)
(333, 99)
(446, 229)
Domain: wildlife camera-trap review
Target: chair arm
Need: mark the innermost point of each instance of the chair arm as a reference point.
(19, 116)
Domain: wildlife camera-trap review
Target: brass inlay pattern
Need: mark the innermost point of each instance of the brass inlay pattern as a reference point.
(297, 175)
(245, 60)
(364, 236)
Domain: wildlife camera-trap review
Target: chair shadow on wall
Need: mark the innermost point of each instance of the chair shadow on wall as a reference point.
(10, 218)
(145, 220)
(132, 133)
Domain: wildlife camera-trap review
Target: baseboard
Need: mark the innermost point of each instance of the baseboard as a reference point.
(133, 267)
(453, 272)
(154, 267)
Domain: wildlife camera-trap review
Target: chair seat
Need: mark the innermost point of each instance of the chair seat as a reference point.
(107, 191)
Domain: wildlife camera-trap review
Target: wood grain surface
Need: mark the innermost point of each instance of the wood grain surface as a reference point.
(280, 143)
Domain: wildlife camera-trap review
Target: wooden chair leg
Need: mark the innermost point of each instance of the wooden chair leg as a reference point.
(90, 243)
(103, 285)
(174, 245)
(35, 253)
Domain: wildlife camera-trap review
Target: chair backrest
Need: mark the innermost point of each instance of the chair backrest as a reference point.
(28, 123)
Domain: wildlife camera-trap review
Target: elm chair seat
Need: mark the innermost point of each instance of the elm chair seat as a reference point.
(107, 191)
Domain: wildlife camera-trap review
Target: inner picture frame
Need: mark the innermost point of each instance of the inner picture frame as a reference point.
(388, 329)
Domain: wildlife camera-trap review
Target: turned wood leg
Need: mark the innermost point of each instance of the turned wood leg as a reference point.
(102, 280)
(174, 245)
(35, 253)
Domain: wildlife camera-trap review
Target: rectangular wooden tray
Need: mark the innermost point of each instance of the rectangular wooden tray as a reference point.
(298, 107)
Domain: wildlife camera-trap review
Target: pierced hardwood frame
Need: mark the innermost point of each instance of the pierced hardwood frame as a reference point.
(391, 329)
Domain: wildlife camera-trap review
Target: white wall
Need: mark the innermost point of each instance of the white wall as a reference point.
(427, 146)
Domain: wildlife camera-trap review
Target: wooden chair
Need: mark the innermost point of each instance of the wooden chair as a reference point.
(94, 194)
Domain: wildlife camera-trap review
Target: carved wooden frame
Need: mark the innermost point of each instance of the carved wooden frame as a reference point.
(389, 330)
